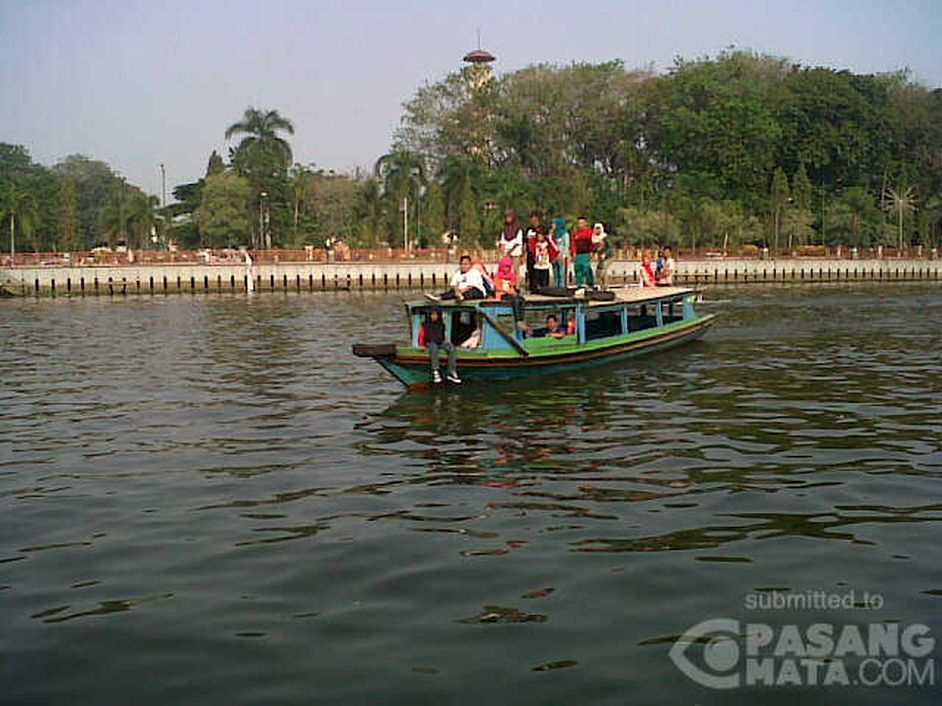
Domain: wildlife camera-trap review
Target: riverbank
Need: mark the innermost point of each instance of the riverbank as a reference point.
(416, 276)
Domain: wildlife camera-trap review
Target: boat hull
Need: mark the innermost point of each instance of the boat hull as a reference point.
(413, 370)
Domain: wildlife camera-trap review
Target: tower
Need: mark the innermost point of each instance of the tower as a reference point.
(478, 69)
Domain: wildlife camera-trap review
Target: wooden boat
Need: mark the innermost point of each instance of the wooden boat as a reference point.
(601, 328)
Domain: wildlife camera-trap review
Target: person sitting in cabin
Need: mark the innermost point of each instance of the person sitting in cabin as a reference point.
(665, 276)
(472, 341)
(648, 277)
(468, 283)
(434, 339)
(554, 329)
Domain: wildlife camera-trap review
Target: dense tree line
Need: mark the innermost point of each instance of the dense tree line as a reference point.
(739, 149)
(76, 204)
(736, 149)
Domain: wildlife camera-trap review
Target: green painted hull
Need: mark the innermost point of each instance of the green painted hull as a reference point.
(411, 366)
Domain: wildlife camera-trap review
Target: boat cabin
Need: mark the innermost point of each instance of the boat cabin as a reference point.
(492, 326)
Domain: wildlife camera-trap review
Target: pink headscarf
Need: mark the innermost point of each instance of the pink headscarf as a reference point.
(505, 269)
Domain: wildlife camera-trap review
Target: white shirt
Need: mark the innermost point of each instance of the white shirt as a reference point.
(667, 272)
(469, 279)
(512, 247)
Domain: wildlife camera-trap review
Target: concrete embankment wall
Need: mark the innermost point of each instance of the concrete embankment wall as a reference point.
(301, 276)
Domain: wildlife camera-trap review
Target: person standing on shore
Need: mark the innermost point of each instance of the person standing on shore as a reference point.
(582, 253)
(510, 242)
(249, 271)
(560, 233)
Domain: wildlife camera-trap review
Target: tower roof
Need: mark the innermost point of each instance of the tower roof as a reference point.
(479, 56)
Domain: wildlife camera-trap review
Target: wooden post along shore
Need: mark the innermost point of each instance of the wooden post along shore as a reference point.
(156, 279)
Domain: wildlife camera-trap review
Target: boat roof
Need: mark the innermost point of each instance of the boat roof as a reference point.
(630, 295)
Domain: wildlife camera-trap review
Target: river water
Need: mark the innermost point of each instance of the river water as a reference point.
(208, 500)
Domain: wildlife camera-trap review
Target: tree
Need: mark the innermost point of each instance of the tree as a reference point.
(115, 215)
(69, 237)
(402, 175)
(95, 185)
(300, 179)
(224, 215)
(368, 210)
(262, 145)
(215, 165)
(779, 196)
(901, 201)
(331, 201)
(263, 156)
(801, 188)
(18, 210)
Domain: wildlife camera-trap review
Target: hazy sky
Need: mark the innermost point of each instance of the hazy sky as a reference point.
(139, 83)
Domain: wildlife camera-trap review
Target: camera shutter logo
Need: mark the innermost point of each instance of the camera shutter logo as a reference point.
(721, 653)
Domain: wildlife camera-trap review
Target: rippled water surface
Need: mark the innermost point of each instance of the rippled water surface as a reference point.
(209, 501)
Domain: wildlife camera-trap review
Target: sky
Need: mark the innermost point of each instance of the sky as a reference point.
(137, 84)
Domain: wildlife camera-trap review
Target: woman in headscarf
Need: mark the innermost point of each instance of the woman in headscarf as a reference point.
(602, 253)
(560, 233)
(510, 242)
(506, 283)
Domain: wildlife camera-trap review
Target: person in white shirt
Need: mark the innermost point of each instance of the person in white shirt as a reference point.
(468, 283)
(665, 276)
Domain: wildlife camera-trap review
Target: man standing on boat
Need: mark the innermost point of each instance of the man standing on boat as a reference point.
(582, 252)
(468, 283)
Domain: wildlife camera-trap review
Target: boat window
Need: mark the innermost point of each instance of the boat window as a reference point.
(672, 311)
(464, 323)
(506, 323)
(642, 316)
(536, 319)
(602, 323)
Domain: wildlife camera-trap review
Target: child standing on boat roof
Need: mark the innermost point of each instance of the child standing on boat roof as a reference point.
(542, 261)
(436, 341)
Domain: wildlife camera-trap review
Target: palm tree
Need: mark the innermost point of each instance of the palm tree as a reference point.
(116, 213)
(262, 145)
(902, 201)
(18, 207)
(299, 180)
(143, 218)
(369, 209)
(402, 174)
